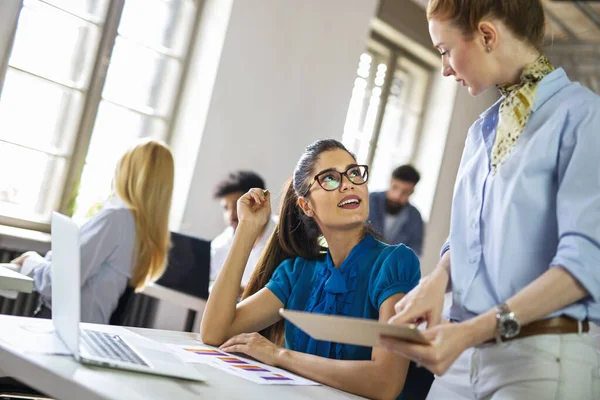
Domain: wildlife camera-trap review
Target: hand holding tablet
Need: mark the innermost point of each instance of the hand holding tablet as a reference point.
(357, 331)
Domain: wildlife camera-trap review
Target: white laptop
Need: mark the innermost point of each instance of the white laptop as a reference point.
(96, 347)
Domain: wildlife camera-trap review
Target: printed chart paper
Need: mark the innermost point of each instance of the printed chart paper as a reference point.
(243, 367)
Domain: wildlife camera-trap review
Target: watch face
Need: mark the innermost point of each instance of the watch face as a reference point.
(509, 327)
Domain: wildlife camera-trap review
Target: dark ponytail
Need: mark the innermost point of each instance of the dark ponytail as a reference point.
(296, 234)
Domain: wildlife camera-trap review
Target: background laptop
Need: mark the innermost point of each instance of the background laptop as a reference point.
(96, 347)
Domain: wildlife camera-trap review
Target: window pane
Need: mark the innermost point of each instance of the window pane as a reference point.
(55, 45)
(93, 10)
(116, 129)
(31, 188)
(141, 78)
(364, 104)
(401, 121)
(165, 25)
(37, 113)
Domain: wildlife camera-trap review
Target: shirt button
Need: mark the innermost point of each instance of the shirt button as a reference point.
(472, 260)
(474, 225)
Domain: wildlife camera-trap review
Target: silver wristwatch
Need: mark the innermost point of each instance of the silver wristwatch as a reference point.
(507, 323)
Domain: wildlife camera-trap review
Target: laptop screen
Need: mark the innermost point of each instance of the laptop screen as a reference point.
(66, 282)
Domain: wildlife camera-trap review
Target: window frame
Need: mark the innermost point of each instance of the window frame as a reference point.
(91, 103)
(378, 43)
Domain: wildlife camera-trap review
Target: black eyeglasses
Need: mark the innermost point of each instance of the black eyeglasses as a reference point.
(331, 179)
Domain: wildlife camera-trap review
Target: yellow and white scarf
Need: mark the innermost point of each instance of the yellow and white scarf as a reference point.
(515, 109)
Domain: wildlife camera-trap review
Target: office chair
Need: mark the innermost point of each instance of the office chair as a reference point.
(119, 316)
(417, 384)
(188, 269)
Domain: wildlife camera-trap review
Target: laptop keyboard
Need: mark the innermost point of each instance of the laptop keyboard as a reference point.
(108, 346)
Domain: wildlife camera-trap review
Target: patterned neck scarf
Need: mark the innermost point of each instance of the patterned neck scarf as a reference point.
(515, 109)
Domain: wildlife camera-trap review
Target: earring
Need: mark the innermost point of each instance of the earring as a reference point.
(488, 49)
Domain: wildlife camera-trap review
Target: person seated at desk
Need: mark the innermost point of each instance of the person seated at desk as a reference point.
(356, 276)
(228, 191)
(393, 216)
(126, 242)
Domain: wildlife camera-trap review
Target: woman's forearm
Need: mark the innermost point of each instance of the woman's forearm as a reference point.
(442, 271)
(553, 290)
(369, 378)
(221, 306)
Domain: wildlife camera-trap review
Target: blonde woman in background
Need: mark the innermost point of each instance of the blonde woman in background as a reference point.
(125, 243)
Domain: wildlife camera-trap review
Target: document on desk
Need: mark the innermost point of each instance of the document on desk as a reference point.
(33, 336)
(246, 368)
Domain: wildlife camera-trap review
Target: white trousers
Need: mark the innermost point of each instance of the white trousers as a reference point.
(558, 367)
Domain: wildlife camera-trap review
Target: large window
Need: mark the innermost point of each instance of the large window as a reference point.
(85, 79)
(385, 114)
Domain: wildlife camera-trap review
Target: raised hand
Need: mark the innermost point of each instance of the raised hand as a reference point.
(254, 208)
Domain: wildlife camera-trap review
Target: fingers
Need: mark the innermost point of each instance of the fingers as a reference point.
(405, 350)
(237, 348)
(256, 196)
(430, 334)
(416, 352)
(401, 304)
(406, 316)
(435, 356)
(241, 343)
(242, 338)
(19, 260)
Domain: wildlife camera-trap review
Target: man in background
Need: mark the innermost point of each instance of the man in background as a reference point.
(228, 191)
(391, 214)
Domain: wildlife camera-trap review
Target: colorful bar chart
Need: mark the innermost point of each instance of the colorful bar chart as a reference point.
(245, 368)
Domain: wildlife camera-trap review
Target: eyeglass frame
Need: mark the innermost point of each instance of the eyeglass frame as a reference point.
(342, 174)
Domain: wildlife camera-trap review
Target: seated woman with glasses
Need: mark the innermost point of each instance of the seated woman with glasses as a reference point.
(355, 275)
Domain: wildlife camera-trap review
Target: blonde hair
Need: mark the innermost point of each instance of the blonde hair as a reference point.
(144, 181)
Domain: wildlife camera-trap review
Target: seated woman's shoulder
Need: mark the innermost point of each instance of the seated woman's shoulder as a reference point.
(113, 218)
(397, 251)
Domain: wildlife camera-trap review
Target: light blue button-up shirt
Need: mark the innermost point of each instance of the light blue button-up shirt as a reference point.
(540, 210)
(107, 243)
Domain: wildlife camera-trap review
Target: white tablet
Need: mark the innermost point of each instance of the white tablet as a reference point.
(358, 331)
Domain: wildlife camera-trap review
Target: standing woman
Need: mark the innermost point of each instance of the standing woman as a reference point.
(126, 242)
(523, 255)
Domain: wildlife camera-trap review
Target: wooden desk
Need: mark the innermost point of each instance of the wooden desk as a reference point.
(65, 379)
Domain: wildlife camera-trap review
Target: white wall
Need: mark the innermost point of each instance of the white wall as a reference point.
(192, 113)
(432, 142)
(284, 79)
(267, 78)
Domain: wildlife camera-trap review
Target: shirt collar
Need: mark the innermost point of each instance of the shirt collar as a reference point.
(115, 201)
(552, 83)
(548, 86)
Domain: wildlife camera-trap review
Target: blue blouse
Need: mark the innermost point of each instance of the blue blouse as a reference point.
(372, 272)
